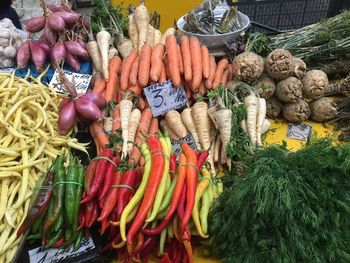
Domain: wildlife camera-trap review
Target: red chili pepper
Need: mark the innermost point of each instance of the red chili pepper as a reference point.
(148, 245)
(172, 167)
(81, 219)
(89, 176)
(198, 153)
(157, 166)
(174, 201)
(139, 245)
(88, 207)
(112, 197)
(188, 249)
(110, 173)
(165, 259)
(60, 242)
(99, 175)
(179, 252)
(124, 193)
(181, 206)
(191, 183)
(113, 232)
(104, 226)
(201, 159)
(94, 214)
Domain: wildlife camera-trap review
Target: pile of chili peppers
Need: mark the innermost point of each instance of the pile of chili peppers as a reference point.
(150, 210)
(53, 214)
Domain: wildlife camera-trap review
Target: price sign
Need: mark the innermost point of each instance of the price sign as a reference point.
(176, 144)
(163, 97)
(82, 81)
(298, 131)
(37, 255)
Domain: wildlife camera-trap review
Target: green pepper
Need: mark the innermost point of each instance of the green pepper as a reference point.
(54, 238)
(68, 233)
(59, 222)
(71, 188)
(34, 236)
(81, 175)
(78, 240)
(38, 223)
(58, 194)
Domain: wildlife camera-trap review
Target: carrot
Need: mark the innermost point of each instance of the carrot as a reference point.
(197, 66)
(260, 120)
(181, 64)
(126, 68)
(188, 89)
(187, 118)
(154, 127)
(150, 36)
(222, 65)
(142, 22)
(116, 119)
(143, 128)
(173, 60)
(94, 52)
(134, 121)
(136, 89)
(212, 70)
(206, 61)
(125, 112)
(99, 134)
(132, 29)
(99, 84)
(170, 31)
(225, 76)
(174, 121)
(186, 57)
(141, 105)
(252, 103)
(230, 77)
(134, 72)
(97, 145)
(166, 64)
(162, 77)
(202, 89)
(114, 67)
(157, 36)
(103, 38)
(156, 62)
(144, 65)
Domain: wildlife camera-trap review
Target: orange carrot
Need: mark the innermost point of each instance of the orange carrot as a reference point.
(121, 95)
(162, 74)
(116, 119)
(230, 77)
(134, 72)
(114, 67)
(173, 60)
(166, 65)
(186, 57)
(142, 161)
(197, 65)
(181, 63)
(188, 89)
(212, 69)
(136, 89)
(202, 89)
(99, 134)
(141, 105)
(205, 60)
(126, 68)
(222, 65)
(144, 65)
(156, 62)
(143, 128)
(99, 84)
(225, 76)
(154, 127)
(98, 147)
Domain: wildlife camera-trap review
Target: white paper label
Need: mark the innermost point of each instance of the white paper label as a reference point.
(52, 255)
(163, 97)
(82, 81)
(6, 70)
(299, 131)
(176, 144)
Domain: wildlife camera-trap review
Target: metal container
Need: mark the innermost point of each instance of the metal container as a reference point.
(217, 41)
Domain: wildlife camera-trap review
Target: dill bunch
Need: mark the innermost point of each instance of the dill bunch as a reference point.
(288, 207)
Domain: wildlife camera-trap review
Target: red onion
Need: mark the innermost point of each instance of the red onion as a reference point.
(86, 22)
(68, 17)
(67, 118)
(81, 43)
(88, 110)
(38, 55)
(75, 48)
(96, 98)
(58, 54)
(23, 55)
(63, 103)
(72, 61)
(45, 46)
(55, 8)
(35, 24)
(50, 35)
(56, 22)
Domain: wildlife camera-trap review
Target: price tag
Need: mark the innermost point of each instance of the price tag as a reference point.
(82, 81)
(163, 97)
(6, 70)
(298, 131)
(37, 255)
(176, 144)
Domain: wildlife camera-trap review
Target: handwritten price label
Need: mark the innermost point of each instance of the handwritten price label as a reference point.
(37, 255)
(82, 81)
(164, 97)
(298, 131)
(176, 144)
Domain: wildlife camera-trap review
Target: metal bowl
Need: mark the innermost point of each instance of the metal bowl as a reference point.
(217, 41)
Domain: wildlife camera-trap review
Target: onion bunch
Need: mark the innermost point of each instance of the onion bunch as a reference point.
(61, 39)
(83, 107)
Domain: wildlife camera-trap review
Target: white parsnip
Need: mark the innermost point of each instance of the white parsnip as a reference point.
(187, 118)
(142, 21)
(266, 126)
(252, 103)
(135, 118)
(171, 134)
(150, 35)
(103, 38)
(217, 152)
(125, 112)
(174, 121)
(260, 120)
(157, 36)
(132, 30)
(169, 31)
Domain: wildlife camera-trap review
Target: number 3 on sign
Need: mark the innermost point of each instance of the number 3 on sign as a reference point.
(158, 98)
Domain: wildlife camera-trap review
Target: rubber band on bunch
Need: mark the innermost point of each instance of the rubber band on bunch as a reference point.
(107, 159)
(123, 186)
(42, 187)
(159, 152)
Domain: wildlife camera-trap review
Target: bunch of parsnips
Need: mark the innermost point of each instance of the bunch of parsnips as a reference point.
(29, 142)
